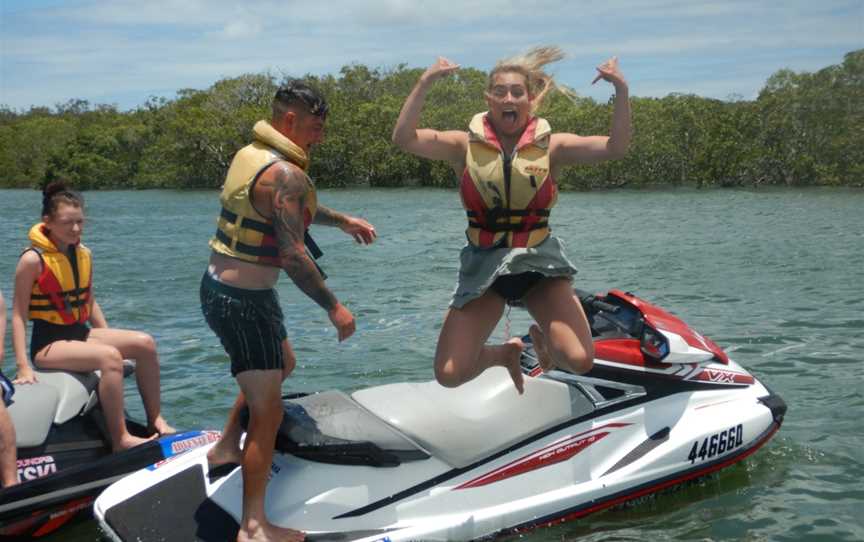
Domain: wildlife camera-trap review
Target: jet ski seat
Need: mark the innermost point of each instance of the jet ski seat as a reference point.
(462, 425)
(55, 398)
(331, 428)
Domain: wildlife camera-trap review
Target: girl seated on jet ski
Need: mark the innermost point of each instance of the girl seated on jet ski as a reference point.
(53, 288)
(507, 163)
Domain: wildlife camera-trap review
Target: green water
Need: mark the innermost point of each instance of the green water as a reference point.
(772, 276)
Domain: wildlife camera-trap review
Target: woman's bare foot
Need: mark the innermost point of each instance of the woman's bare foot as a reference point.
(539, 340)
(512, 356)
(130, 441)
(161, 427)
(253, 531)
(223, 453)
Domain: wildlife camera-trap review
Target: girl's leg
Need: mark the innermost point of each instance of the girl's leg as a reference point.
(462, 354)
(142, 348)
(563, 336)
(89, 356)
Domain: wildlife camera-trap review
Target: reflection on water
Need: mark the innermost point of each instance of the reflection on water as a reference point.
(772, 276)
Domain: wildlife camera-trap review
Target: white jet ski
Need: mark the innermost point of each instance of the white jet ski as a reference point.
(417, 461)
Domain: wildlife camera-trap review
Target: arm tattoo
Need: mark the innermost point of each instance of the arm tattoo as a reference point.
(289, 194)
(325, 216)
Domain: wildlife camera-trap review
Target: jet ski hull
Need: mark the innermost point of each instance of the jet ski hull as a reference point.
(564, 472)
(417, 461)
(59, 481)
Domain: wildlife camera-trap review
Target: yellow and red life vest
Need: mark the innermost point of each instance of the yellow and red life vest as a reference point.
(61, 293)
(241, 231)
(507, 198)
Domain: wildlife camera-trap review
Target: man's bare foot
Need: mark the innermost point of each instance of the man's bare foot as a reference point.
(130, 441)
(253, 531)
(161, 427)
(223, 453)
(539, 340)
(512, 355)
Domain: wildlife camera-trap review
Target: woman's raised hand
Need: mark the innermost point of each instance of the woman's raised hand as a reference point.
(439, 69)
(608, 71)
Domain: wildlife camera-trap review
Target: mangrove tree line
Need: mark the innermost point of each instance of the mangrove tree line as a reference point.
(803, 129)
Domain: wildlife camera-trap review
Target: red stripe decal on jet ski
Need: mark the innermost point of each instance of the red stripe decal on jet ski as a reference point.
(560, 450)
(715, 404)
(65, 514)
(647, 490)
(688, 371)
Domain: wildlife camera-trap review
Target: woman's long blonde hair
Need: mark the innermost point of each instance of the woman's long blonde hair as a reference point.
(530, 65)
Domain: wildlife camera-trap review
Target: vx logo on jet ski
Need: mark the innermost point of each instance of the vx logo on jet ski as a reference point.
(720, 376)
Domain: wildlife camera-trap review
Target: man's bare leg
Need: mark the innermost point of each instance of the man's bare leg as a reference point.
(227, 449)
(263, 393)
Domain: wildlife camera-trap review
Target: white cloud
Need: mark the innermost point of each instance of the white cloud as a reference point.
(242, 29)
(101, 48)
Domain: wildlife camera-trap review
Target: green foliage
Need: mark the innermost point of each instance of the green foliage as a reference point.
(803, 129)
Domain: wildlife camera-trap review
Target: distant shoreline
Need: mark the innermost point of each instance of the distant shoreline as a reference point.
(804, 129)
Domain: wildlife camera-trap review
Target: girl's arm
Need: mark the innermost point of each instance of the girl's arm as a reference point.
(97, 317)
(28, 269)
(449, 145)
(569, 149)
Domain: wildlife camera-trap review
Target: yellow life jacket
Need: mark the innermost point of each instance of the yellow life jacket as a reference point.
(61, 293)
(507, 198)
(242, 232)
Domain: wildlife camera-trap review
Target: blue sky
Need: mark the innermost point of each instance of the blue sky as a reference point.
(121, 52)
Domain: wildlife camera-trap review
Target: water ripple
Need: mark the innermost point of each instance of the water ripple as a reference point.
(771, 275)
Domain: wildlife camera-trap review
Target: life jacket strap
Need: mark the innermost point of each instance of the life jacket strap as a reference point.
(314, 251)
(493, 220)
(507, 213)
(497, 228)
(266, 229)
(248, 223)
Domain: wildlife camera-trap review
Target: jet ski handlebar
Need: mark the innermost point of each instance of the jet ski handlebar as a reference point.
(590, 302)
(593, 304)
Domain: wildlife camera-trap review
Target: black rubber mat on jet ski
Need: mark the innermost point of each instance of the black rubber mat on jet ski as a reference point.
(184, 511)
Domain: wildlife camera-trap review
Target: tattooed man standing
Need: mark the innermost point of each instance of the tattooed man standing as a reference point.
(268, 203)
